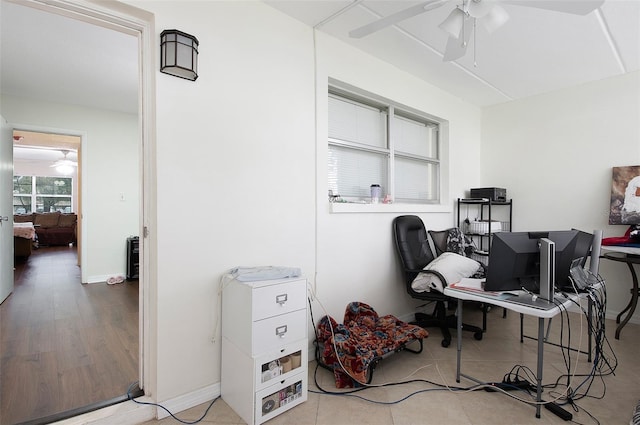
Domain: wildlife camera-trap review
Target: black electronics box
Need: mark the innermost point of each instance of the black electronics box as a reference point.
(496, 194)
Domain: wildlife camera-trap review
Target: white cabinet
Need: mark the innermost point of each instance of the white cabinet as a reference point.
(264, 347)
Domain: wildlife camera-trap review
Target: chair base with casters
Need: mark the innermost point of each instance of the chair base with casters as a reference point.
(417, 251)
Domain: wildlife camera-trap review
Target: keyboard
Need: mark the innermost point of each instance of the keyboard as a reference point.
(528, 301)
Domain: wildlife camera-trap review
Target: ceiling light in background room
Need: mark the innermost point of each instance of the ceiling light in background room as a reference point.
(454, 22)
(179, 54)
(65, 169)
(65, 166)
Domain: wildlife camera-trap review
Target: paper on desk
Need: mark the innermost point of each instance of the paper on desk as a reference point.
(477, 286)
(469, 283)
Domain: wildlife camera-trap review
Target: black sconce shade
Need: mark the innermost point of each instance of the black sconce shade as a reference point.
(179, 54)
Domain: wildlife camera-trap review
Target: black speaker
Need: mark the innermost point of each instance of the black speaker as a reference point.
(133, 257)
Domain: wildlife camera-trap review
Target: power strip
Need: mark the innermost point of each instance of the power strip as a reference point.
(513, 386)
(558, 411)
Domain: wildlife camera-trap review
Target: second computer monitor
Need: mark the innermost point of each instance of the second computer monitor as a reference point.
(514, 261)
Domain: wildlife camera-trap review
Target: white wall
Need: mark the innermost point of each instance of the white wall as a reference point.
(248, 123)
(554, 154)
(239, 145)
(110, 166)
(356, 255)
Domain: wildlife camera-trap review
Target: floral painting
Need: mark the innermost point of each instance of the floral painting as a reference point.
(625, 195)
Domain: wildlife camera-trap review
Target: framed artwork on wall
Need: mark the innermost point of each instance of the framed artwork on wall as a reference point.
(625, 195)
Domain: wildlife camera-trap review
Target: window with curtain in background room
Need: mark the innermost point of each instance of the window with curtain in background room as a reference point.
(374, 141)
(42, 194)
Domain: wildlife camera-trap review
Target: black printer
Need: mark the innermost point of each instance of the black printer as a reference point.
(495, 194)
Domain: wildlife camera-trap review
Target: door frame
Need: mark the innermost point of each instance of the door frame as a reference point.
(7, 250)
(141, 24)
(78, 208)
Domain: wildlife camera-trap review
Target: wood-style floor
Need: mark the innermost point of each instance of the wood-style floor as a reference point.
(64, 345)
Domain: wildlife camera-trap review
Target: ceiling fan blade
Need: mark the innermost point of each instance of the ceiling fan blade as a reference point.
(396, 17)
(457, 47)
(574, 7)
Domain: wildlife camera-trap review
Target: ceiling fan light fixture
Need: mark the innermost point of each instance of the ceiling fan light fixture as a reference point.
(454, 23)
(65, 166)
(65, 169)
(479, 8)
(496, 18)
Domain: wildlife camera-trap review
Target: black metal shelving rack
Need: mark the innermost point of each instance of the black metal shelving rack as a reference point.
(485, 206)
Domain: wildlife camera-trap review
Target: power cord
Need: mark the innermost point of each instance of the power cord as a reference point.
(514, 380)
(364, 386)
(130, 397)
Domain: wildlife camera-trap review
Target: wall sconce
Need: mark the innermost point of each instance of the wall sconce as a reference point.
(179, 54)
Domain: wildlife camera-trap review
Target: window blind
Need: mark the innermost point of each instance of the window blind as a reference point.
(358, 123)
(416, 181)
(352, 172)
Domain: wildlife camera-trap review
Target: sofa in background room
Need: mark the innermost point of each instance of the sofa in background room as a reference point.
(54, 228)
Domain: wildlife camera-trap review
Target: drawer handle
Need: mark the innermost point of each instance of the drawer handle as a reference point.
(281, 330)
(281, 299)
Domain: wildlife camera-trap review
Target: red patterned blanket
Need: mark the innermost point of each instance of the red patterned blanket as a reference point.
(361, 341)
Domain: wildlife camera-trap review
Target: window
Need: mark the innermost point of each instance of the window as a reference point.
(374, 141)
(48, 194)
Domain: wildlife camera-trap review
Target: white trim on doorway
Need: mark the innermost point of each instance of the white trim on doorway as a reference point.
(130, 20)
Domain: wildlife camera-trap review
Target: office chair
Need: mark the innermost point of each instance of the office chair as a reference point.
(415, 253)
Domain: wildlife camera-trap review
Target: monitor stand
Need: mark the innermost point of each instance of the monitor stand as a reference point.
(547, 268)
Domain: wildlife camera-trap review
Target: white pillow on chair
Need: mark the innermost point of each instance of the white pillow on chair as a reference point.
(451, 266)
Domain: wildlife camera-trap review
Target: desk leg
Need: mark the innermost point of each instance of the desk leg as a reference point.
(540, 362)
(632, 304)
(459, 337)
(521, 328)
(590, 326)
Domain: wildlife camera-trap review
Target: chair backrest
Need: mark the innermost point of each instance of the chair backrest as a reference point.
(412, 244)
(440, 239)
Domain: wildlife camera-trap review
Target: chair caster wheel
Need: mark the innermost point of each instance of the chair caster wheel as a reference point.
(478, 336)
(445, 343)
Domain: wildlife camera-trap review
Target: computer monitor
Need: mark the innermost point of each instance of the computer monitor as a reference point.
(514, 261)
(583, 246)
(581, 250)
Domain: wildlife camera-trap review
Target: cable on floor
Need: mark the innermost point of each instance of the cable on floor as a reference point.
(129, 396)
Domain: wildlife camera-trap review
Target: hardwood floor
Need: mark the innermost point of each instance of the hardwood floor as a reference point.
(64, 345)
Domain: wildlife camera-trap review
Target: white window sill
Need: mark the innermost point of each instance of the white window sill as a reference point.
(339, 207)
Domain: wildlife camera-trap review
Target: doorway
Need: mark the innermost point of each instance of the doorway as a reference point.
(104, 161)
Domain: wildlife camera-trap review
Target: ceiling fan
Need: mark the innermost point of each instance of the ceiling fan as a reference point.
(461, 22)
(64, 165)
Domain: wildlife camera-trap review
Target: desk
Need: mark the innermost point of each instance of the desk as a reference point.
(465, 295)
(630, 256)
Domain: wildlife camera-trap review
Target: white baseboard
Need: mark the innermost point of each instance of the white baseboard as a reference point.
(131, 413)
(187, 401)
(125, 413)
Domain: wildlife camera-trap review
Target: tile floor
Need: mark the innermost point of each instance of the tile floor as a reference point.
(610, 400)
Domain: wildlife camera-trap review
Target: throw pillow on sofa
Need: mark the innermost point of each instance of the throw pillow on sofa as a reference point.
(23, 218)
(46, 220)
(67, 220)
